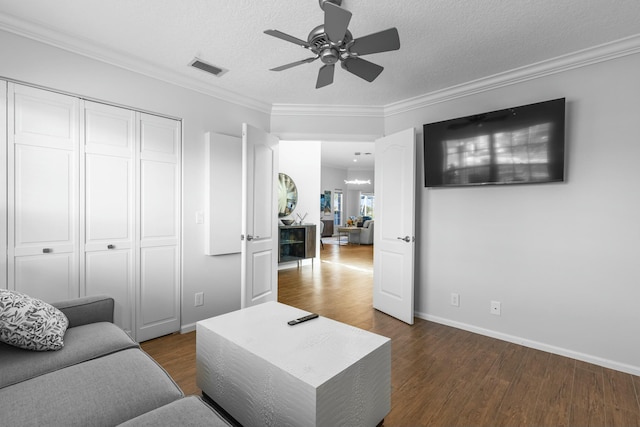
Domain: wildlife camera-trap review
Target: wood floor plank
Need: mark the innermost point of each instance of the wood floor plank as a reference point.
(621, 402)
(554, 398)
(441, 376)
(467, 386)
(519, 404)
(483, 408)
(507, 365)
(619, 390)
(176, 353)
(587, 406)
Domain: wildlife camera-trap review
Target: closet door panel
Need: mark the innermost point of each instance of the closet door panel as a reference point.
(46, 119)
(43, 211)
(111, 273)
(159, 229)
(109, 130)
(45, 199)
(108, 201)
(159, 138)
(51, 278)
(158, 291)
(109, 208)
(158, 207)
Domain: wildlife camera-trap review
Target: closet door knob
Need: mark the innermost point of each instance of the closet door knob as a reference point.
(47, 250)
(111, 247)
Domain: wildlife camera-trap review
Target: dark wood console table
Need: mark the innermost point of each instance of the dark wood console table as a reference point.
(296, 242)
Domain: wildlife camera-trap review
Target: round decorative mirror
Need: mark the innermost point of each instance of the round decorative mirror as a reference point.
(288, 195)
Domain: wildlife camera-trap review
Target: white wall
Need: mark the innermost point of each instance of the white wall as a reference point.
(335, 125)
(361, 175)
(40, 64)
(562, 258)
(355, 190)
(301, 161)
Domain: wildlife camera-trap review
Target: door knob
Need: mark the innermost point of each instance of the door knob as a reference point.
(250, 237)
(111, 246)
(405, 238)
(47, 250)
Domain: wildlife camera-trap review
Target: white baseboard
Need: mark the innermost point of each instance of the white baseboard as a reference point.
(188, 328)
(622, 367)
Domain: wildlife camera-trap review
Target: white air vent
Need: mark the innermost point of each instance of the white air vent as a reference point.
(211, 69)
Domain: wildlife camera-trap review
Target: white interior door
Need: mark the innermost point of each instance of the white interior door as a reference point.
(43, 211)
(158, 293)
(259, 278)
(107, 264)
(394, 232)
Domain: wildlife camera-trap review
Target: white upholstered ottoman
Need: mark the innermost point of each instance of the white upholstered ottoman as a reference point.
(318, 373)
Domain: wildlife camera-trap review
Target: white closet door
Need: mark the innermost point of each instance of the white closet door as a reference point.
(159, 228)
(43, 193)
(107, 264)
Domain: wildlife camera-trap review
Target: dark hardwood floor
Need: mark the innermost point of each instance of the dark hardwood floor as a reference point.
(441, 376)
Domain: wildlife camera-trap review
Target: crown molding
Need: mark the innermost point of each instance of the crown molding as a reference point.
(327, 110)
(582, 58)
(93, 50)
(334, 137)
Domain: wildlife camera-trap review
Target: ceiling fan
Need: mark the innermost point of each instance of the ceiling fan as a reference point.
(333, 42)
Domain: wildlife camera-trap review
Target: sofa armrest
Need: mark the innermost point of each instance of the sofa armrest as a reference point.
(85, 310)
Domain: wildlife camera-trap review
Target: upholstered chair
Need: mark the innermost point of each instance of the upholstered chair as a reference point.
(366, 234)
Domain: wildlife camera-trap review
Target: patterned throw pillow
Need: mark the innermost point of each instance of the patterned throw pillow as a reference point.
(30, 323)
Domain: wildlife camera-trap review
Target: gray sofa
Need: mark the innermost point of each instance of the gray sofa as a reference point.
(366, 234)
(100, 377)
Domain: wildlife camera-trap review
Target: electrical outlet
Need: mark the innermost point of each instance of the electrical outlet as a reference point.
(455, 300)
(199, 299)
(495, 308)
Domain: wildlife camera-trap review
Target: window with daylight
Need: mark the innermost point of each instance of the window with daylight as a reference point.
(337, 207)
(367, 202)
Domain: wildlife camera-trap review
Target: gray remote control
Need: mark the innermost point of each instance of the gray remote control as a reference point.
(302, 319)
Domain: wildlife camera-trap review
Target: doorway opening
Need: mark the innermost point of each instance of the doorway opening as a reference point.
(345, 190)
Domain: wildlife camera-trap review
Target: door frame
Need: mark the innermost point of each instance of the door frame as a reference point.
(342, 137)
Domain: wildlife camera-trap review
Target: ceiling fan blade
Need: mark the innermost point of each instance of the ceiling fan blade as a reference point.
(287, 37)
(325, 75)
(336, 21)
(382, 41)
(362, 68)
(294, 64)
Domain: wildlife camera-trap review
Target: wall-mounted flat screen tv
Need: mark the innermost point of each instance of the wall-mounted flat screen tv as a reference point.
(519, 145)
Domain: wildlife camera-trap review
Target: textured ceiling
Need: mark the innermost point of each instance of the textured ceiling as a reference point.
(443, 42)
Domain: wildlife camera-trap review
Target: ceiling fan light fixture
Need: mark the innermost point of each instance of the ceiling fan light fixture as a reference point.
(332, 42)
(329, 56)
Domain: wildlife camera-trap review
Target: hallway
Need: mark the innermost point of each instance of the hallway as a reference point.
(338, 286)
